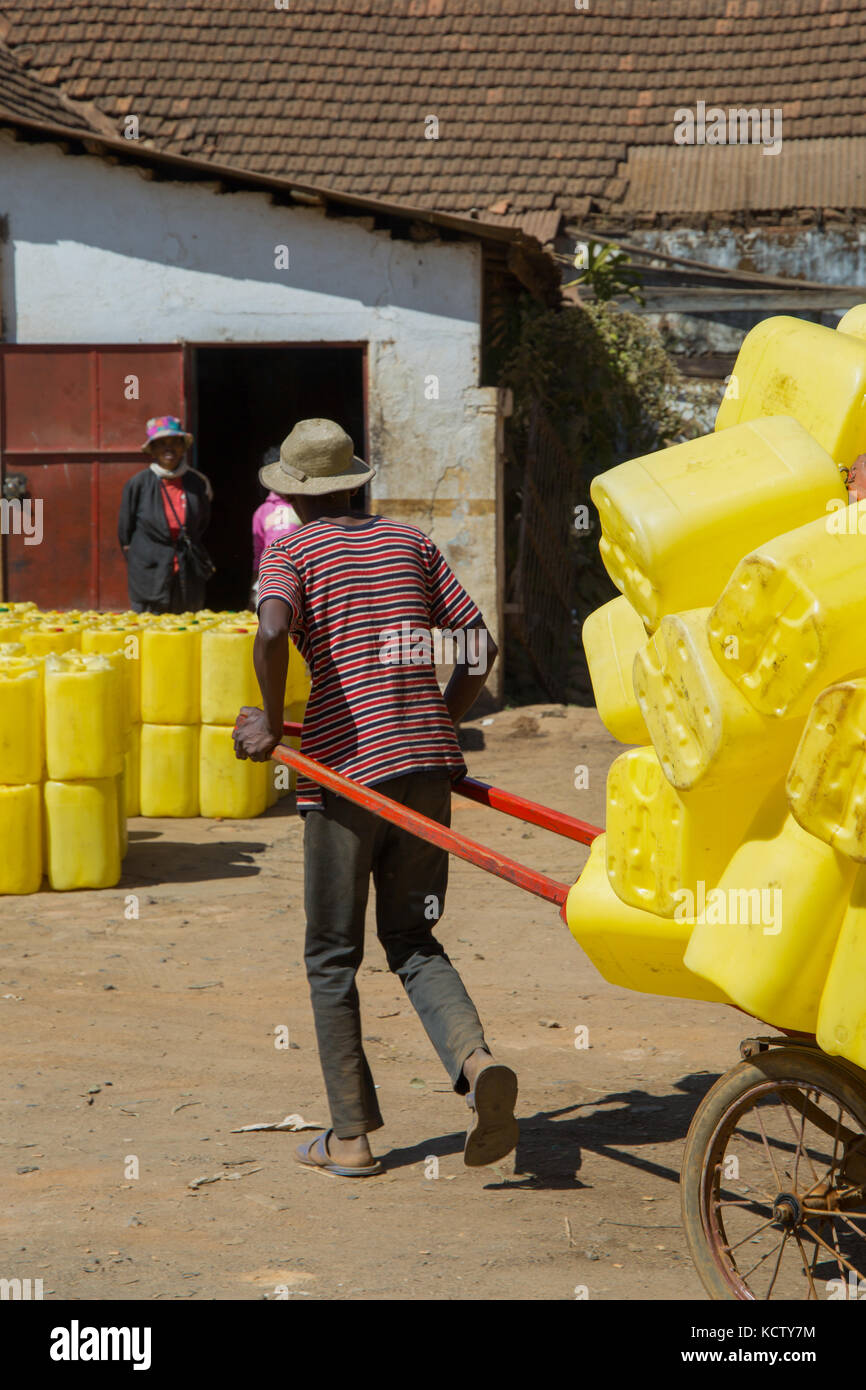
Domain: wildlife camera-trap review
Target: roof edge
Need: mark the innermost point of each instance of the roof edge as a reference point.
(204, 169)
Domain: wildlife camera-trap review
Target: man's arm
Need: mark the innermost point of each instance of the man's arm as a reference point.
(259, 731)
(470, 676)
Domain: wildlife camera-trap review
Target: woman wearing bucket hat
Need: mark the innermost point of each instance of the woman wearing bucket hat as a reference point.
(164, 512)
(346, 586)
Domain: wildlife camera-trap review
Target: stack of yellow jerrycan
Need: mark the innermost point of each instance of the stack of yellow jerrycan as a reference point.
(22, 756)
(104, 716)
(86, 730)
(170, 695)
(733, 866)
(230, 787)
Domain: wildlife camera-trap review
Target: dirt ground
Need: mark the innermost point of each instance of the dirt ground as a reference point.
(151, 1039)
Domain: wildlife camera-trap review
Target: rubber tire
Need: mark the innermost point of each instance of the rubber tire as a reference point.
(803, 1065)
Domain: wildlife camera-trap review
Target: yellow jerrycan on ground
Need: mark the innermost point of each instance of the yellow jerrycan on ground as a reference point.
(297, 694)
(11, 628)
(21, 839)
(85, 704)
(705, 732)
(790, 621)
(82, 841)
(44, 638)
(612, 636)
(230, 788)
(660, 840)
(827, 778)
(228, 678)
(766, 933)
(841, 1028)
(674, 523)
(170, 674)
(22, 721)
(628, 946)
(787, 366)
(132, 772)
(169, 769)
(115, 639)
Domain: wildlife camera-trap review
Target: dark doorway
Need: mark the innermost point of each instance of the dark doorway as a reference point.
(247, 399)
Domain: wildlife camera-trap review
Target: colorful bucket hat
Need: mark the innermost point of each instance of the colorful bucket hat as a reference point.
(165, 427)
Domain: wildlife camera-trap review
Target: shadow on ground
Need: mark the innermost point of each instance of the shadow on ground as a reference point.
(551, 1145)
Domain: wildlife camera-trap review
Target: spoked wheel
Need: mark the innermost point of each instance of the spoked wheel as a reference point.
(774, 1180)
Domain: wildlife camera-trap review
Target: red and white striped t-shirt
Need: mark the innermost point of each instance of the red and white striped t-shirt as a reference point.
(349, 590)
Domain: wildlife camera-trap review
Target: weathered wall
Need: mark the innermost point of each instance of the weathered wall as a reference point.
(99, 254)
(834, 254)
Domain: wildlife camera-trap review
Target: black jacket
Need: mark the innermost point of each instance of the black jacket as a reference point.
(143, 527)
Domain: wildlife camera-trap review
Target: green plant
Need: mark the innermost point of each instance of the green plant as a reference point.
(607, 270)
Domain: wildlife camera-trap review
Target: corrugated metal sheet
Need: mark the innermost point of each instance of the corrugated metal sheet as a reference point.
(544, 226)
(737, 178)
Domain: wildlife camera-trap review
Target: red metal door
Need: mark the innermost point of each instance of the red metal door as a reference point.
(72, 422)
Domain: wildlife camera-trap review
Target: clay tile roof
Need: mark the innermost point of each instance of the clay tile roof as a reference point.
(537, 101)
(25, 95)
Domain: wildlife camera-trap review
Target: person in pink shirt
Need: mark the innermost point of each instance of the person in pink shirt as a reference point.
(274, 519)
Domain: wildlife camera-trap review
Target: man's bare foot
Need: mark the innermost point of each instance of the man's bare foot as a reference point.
(351, 1153)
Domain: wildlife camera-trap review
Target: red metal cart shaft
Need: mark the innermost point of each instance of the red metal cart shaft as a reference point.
(511, 805)
(416, 824)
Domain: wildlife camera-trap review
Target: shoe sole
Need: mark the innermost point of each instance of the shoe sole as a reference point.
(495, 1131)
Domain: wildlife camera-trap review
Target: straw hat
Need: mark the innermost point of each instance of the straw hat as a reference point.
(317, 457)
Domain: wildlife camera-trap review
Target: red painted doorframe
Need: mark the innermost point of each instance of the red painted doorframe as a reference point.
(67, 424)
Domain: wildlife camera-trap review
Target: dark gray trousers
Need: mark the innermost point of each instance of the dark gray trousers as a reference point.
(343, 846)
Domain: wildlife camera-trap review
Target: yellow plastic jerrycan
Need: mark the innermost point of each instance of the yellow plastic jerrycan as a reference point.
(82, 845)
(170, 675)
(790, 620)
(297, 685)
(169, 769)
(84, 717)
(21, 838)
(272, 794)
(787, 366)
(853, 322)
(827, 778)
(22, 721)
(612, 636)
(132, 770)
(841, 1028)
(675, 523)
(660, 841)
(230, 788)
(11, 628)
(705, 732)
(118, 639)
(228, 678)
(43, 639)
(122, 830)
(627, 945)
(766, 933)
